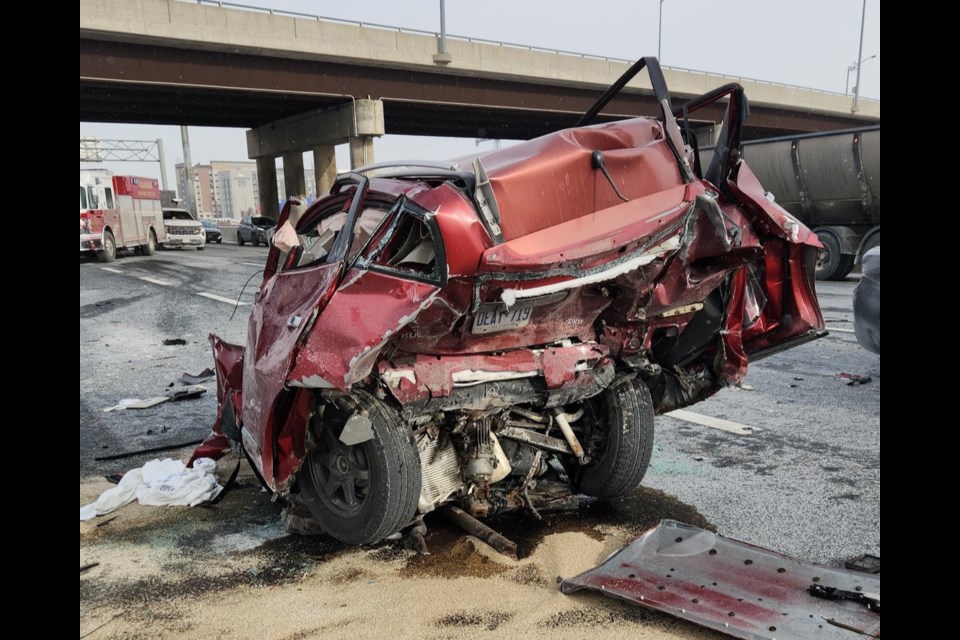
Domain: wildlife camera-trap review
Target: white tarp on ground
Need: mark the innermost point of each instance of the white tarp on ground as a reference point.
(159, 483)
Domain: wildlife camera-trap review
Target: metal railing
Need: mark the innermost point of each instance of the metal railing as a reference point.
(500, 43)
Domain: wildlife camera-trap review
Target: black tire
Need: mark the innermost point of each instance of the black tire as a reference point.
(386, 499)
(873, 240)
(151, 247)
(255, 242)
(831, 263)
(109, 251)
(240, 240)
(623, 416)
(201, 248)
(219, 240)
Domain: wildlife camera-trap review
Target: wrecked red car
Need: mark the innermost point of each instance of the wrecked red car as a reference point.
(500, 335)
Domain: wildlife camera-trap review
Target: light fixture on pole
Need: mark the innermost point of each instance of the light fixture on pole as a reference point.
(853, 67)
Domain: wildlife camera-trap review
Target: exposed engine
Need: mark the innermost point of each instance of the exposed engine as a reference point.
(497, 461)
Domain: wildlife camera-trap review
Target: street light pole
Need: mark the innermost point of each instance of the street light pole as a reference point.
(660, 30)
(855, 65)
(856, 89)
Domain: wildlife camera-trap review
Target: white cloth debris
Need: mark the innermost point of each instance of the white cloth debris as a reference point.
(137, 403)
(159, 483)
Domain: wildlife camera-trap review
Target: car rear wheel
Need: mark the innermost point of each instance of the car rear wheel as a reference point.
(109, 251)
(618, 439)
(832, 264)
(360, 493)
(240, 240)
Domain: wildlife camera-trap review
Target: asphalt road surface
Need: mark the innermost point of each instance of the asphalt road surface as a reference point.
(793, 464)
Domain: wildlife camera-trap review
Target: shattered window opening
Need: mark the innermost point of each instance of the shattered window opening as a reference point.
(316, 244)
(408, 247)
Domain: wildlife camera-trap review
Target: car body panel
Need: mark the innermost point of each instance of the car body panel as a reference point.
(287, 303)
(739, 589)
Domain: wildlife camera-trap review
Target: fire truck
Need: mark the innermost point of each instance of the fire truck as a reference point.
(119, 212)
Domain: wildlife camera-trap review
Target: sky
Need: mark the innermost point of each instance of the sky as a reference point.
(809, 43)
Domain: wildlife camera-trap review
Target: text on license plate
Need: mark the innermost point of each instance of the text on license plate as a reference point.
(496, 317)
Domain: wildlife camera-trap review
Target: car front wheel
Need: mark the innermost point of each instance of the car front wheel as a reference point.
(619, 440)
(360, 493)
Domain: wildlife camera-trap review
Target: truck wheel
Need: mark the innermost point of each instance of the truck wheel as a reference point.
(151, 247)
(364, 492)
(109, 251)
(240, 239)
(618, 439)
(831, 263)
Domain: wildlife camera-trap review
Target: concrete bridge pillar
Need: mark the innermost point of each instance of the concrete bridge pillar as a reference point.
(361, 151)
(368, 124)
(267, 181)
(357, 122)
(324, 167)
(294, 181)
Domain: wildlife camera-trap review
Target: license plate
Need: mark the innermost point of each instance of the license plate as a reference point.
(496, 317)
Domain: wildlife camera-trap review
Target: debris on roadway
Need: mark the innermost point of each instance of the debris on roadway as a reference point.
(736, 587)
(159, 483)
(204, 376)
(137, 403)
(854, 379)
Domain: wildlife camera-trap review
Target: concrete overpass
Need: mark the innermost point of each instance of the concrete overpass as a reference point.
(302, 83)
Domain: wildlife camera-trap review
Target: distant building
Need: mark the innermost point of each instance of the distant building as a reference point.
(236, 190)
(226, 190)
(231, 190)
(309, 179)
(202, 201)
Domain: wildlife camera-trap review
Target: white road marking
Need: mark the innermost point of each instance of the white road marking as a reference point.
(253, 264)
(713, 423)
(111, 270)
(162, 283)
(832, 329)
(214, 296)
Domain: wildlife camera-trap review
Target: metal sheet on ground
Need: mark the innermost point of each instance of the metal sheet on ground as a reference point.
(731, 586)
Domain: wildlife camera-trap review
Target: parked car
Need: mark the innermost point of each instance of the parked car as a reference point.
(500, 334)
(212, 230)
(866, 302)
(253, 229)
(182, 230)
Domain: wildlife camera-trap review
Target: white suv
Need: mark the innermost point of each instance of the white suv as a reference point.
(183, 230)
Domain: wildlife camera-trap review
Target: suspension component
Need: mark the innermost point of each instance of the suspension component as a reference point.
(563, 421)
